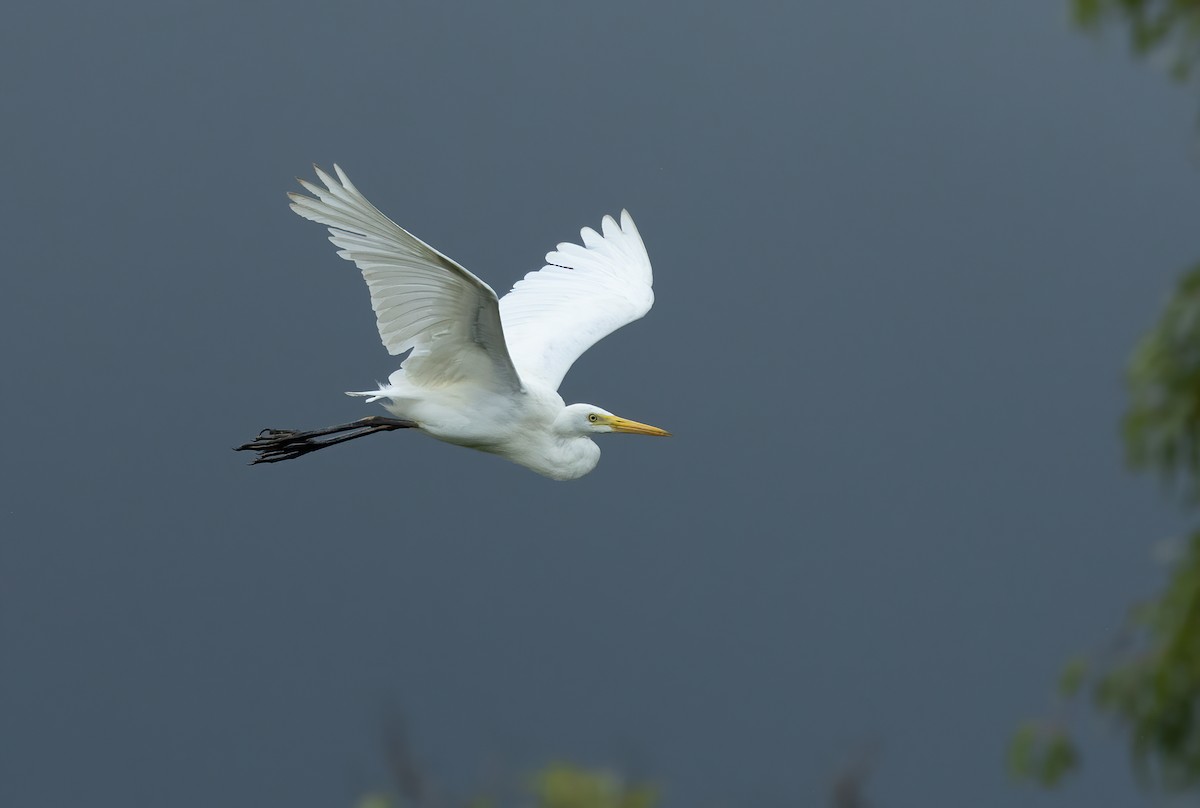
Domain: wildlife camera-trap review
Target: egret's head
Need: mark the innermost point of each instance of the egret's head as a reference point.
(588, 420)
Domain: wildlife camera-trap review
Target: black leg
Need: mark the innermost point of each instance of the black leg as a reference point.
(274, 445)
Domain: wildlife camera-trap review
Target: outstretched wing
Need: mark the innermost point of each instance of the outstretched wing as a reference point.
(582, 295)
(423, 300)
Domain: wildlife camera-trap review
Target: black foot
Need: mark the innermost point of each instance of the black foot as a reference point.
(274, 445)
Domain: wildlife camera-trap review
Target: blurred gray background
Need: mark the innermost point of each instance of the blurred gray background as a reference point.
(902, 253)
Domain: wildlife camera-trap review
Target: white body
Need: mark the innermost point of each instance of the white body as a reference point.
(518, 427)
(484, 372)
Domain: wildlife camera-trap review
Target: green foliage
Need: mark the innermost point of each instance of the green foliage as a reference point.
(1171, 27)
(562, 785)
(1151, 684)
(1162, 425)
(1155, 690)
(559, 785)
(376, 801)
(1151, 687)
(1155, 693)
(1042, 753)
(1073, 675)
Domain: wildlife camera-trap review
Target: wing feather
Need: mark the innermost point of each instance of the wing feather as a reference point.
(583, 294)
(423, 301)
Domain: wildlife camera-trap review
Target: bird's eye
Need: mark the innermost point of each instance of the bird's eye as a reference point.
(593, 418)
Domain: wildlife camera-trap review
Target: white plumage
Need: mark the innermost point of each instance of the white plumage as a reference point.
(484, 372)
(582, 295)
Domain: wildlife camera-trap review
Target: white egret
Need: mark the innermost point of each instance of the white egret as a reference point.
(483, 372)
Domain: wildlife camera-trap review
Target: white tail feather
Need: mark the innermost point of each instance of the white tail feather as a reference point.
(370, 395)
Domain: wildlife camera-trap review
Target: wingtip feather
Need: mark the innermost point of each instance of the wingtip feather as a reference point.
(312, 189)
(329, 181)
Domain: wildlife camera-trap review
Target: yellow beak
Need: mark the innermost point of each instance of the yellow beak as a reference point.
(633, 427)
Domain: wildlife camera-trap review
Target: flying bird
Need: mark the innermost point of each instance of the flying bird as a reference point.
(482, 371)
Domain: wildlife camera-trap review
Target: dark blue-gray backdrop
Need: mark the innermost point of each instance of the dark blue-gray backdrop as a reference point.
(902, 252)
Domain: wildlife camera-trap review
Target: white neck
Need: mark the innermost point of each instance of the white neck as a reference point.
(561, 458)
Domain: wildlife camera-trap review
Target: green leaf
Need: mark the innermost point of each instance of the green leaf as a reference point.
(1042, 754)
(1086, 13)
(375, 801)
(1072, 677)
(1059, 758)
(1020, 751)
(563, 785)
